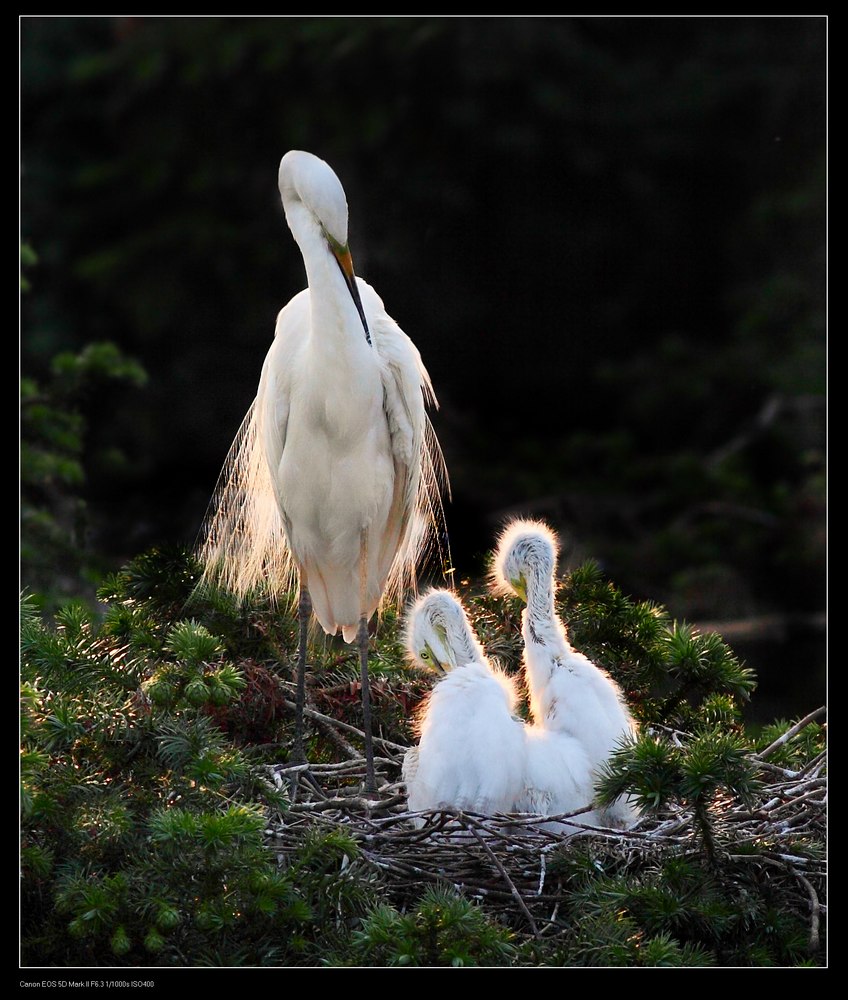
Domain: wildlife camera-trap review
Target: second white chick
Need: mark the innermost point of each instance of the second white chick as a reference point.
(568, 693)
(473, 753)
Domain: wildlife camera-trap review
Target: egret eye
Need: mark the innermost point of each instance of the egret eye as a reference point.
(425, 654)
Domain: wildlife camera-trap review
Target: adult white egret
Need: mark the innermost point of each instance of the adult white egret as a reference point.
(334, 477)
(473, 753)
(568, 693)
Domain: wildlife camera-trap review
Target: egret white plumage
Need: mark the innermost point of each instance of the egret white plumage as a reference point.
(334, 477)
(470, 753)
(568, 693)
(473, 753)
(557, 778)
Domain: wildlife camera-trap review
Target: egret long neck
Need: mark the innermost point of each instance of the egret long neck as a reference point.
(336, 324)
(540, 614)
(462, 643)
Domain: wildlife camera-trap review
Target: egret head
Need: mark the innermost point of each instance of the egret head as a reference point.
(315, 203)
(439, 635)
(307, 180)
(526, 552)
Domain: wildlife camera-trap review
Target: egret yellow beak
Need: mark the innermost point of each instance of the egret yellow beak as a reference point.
(433, 661)
(345, 262)
(520, 587)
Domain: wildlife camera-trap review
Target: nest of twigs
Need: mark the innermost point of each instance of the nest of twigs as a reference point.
(505, 862)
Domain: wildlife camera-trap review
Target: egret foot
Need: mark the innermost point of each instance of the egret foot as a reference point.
(304, 774)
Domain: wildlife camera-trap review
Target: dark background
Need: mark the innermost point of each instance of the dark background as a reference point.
(605, 235)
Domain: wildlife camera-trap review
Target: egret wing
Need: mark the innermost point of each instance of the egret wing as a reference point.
(417, 518)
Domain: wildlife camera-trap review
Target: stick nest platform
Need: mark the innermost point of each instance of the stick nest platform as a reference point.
(517, 870)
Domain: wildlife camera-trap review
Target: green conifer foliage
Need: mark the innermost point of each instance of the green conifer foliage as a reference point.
(157, 830)
(443, 930)
(54, 514)
(143, 824)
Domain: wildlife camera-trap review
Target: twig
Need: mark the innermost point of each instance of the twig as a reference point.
(793, 800)
(542, 873)
(349, 802)
(320, 717)
(551, 920)
(781, 740)
(516, 894)
(783, 772)
(815, 764)
(815, 911)
(338, 739)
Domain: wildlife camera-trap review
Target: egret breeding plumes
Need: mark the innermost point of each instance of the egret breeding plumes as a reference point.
(473, 753)
(334, 479)
(568, 693)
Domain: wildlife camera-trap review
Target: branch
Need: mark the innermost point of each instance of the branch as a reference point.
(787, 736)
(338, 739)
(815, 911)
(328, 720)
(515, 893)
(356, 802)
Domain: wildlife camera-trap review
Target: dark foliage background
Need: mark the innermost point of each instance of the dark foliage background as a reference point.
(605, 235)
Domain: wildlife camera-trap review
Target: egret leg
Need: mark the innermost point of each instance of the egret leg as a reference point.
(304, 612)
(362, 640)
